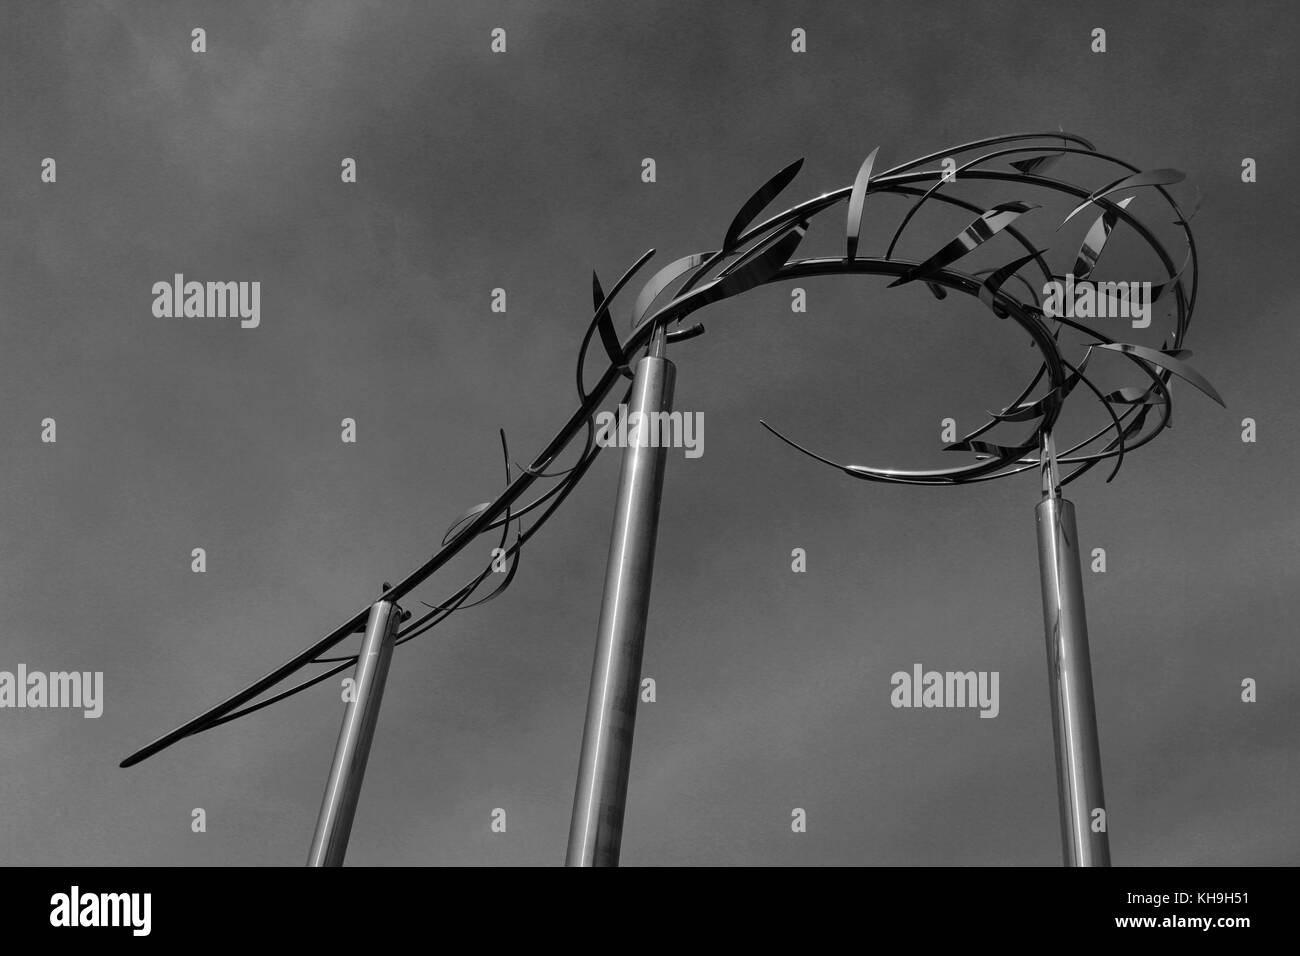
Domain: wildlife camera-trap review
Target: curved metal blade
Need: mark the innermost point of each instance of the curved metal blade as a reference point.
(661, 280)
(984, 228)
(857, 199)
(1169, 363)
(754, 205)
(989, 289)
(1095, 241)
(1154, 177)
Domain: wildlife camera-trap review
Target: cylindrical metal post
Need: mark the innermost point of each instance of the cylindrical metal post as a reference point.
(333, 826)
(596, 830)
(1069, 676)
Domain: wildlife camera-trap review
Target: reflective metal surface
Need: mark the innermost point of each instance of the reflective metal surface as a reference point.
(1069, 676)
(754, 255)
(334, 824)
(1014, 439)
(596, 829)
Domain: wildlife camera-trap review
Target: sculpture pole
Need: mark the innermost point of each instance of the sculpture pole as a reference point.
(334, 825)
(596, 828)
(1069, 675)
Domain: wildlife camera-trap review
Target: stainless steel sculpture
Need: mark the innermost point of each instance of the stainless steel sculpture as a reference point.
(754, 255)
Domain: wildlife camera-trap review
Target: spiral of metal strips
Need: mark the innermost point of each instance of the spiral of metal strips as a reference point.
(755, 255)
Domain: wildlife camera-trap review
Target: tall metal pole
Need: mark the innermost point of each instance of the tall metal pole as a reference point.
(334, 825)
(596, 829)
(1069, 676)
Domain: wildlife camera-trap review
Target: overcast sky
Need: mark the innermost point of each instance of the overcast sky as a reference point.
(522, 171)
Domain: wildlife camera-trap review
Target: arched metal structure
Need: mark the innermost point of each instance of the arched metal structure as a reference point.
(755, 255)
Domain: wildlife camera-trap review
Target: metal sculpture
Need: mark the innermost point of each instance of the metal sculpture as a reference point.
(755, 255)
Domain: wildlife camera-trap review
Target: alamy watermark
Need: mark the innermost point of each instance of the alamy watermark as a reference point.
(922, 688)
(622, 429)
(75, 908)
(208, 300)
(1085, 299)
(74, 689)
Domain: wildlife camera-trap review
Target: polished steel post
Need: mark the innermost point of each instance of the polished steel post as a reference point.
(333, 826)
(596, 829)
(1069, 677)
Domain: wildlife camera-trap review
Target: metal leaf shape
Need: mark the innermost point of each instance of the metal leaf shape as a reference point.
(661, 280)
(1029, 410)
(857, 199)
(605, 324)
(984, 228)
(754, 205)
(1036, 164)
(1170, 282)
(989, 290)
(1169, 363)
(1154, 177)
(1196, 207)
(1040, 163)
(1118, 290)
(760, 264)
(1134, 396)
(468, 516)
(753, 268)
(1026, 411)
(992, 450)
(1095, 241)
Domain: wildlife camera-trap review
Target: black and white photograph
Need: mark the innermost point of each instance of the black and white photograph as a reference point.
(663, 434)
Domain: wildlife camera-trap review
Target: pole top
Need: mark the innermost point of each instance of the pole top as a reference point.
(1048, 467)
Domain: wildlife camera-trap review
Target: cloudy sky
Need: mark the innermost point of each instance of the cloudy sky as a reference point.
(522, 171)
